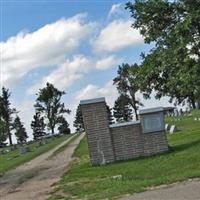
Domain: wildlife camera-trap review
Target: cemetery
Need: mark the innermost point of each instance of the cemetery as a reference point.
(85, 181)
(122, 141)
(55, 143)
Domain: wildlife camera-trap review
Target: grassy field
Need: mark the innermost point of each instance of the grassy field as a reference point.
(182, 162)
(13, 159)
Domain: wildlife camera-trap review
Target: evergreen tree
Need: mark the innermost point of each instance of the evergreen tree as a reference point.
(63, 126)
(3, 135)
(38, 126)
(78, 122)
(20, 131)
(110, 115)
(121, 110)
(6, 112)
(49, 104)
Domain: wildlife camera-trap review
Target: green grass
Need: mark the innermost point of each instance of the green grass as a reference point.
(182, 162)
(13, 158)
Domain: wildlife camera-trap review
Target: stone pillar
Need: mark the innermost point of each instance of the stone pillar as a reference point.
(153, 131)
(96, 124)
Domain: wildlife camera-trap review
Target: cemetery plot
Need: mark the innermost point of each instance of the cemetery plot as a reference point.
(84, 181)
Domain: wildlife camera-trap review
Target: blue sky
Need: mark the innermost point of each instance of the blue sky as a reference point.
(76, 45)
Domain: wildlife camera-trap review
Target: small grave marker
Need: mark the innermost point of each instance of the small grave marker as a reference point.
(167, 127)
(173, 129)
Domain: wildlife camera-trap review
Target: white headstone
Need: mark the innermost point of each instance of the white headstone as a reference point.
(167, 127)
(195, 119)
(173, 129)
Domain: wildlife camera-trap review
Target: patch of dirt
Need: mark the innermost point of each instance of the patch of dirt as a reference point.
(36, 179)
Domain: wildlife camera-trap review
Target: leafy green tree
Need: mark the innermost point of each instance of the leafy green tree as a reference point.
(63, 126)
(3, 135)
(110, 115)
(49, 104)
(172, 67)
(121, 110)
(6, 112)
(127, 84)
(20, 131)
(38, 126)
(78, 122)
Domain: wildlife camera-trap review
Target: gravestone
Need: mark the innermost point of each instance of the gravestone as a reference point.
(167, 127)
(173, 129)
(23, 150)
(176, 113)
(195, 119)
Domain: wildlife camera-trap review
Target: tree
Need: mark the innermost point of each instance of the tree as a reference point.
(63, 126)
(49, 104)
(110, 116)
(6, 112)
(127, 84)
(172, 67)
(3, 135)
(20, 131)
(38, 126)
(121, 110)
(78, 122)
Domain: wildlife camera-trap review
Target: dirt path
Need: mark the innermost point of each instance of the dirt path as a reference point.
(187, 190)
(35, 179)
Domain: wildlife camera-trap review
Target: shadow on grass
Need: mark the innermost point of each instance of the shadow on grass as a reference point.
(182, 147)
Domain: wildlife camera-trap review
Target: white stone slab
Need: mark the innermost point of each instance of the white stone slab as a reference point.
(173, 129)
(167, 127)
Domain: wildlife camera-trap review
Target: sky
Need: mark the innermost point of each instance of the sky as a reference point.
(75, 45)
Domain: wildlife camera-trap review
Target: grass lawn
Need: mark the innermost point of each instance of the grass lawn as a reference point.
(13, 159)
(83, 181)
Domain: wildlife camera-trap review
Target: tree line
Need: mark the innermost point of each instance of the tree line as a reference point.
(171, 68)
(49, 114)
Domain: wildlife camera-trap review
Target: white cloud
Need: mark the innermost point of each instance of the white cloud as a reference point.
(117, 35)
(65, 74)
(115, 9)
(44, 47)
(73, 70)
(108, 62)
(108, 91)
